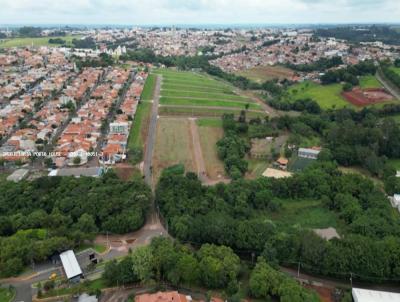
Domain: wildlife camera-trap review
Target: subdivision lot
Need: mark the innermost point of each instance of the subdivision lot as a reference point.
(191, 89)
(173, 145)
(172, 110)
(210, 132)
(207, 103)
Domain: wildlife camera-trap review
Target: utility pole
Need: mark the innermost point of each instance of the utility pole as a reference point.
(351, 280)
(298, 270)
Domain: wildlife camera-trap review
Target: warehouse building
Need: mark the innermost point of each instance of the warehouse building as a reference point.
(366, 295)
(71, 266)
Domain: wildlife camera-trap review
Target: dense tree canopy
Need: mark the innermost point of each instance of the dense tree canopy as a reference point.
(50, 214)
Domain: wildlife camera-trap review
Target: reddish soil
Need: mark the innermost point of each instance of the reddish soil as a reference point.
(364, 97)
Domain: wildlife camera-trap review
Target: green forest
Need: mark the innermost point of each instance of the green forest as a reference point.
(51, 214)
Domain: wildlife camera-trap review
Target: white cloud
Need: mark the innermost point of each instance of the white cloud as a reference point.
(197, 11)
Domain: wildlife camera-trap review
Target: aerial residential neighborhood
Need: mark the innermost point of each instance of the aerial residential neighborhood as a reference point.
(190, 151)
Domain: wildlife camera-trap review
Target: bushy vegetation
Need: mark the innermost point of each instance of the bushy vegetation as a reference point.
(320, 65)
(369, 248)
(52, 214)
(212, 267)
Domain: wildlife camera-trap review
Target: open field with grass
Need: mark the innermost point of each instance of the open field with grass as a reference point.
(207, 103)
(210, 132)
(261, 74)
(370, 82)
(6, 295)
(304, 213)
(256, 167)
(327, 96)
(40, 41)
(149, 86)
(173, 145)
(396, 70)
(206, 111)
(191, 89)
(138, 133)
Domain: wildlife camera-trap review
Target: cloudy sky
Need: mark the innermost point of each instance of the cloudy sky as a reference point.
(140, 12)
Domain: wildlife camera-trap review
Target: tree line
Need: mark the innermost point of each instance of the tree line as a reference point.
(51, 214)
(370, 247)
(211, 267)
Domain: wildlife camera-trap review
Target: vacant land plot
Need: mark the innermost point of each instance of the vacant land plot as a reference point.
(206, 111)
(327, 96)
(264, 73)
(191, 89)
(304, 213)
(207, 103)
(210, 132)
(173, 145)
(40, 41)
(138, 133)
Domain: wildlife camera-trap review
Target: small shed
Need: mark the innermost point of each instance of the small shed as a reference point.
(71, 266)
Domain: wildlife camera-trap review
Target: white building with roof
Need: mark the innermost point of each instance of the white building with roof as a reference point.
(308, 153)
(71, 266)
(366, 295)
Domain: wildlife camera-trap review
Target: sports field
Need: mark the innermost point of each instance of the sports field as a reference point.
(328, 96)
(261, 74)
(191, 89)
(40, 41)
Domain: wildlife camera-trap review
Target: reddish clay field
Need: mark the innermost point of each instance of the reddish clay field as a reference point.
(364, 97)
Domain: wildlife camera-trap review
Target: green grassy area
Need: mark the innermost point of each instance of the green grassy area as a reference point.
(40, 41)
(204, 111)
(369, 82)
(327, 96)
(261, 74)
(395, 163)
(207, 103)
(256, 167)
(99, 248)
(87, 286)
(6, 294)
(137, 135)
(148, 89)
(209, 122)
(195, 88)
(304, 213)
(396, 69)
(186, 89)
(202, 95)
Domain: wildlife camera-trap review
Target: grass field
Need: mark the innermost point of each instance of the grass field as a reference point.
(206, 112)
(148, 89)
(210, 131)
(369, 82)
(207, 103)
(173, 145)
(40, 41)
(256, 167)
(396, 70)
(327, 96)
(304, 213)
(138, 133)
(6, 295)
(188, 89)
(261, 74)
